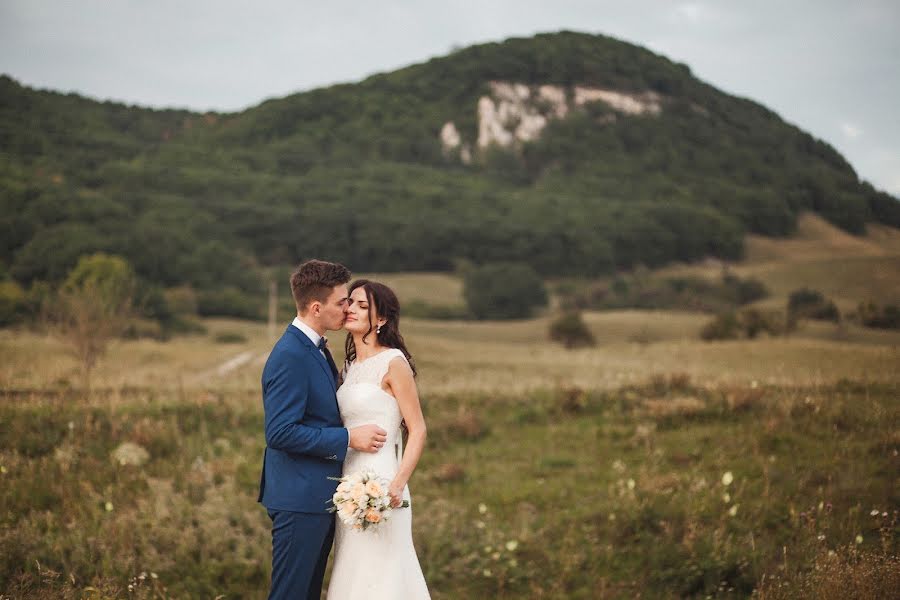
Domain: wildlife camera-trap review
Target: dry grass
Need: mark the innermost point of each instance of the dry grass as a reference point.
(480, 356)
(816, 238)
(846, 268)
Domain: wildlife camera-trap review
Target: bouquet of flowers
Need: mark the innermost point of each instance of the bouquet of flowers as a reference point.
(362, 500)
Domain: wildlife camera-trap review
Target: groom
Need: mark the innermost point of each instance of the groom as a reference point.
(305, 438)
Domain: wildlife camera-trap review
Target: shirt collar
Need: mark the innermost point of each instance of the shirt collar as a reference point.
(306, 329)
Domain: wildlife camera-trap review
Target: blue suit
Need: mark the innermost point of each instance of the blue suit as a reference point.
(305, 445)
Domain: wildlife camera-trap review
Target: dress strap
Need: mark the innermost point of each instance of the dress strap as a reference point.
(383, 363)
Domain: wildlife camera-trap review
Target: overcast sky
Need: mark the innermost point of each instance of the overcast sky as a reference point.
(831, 67)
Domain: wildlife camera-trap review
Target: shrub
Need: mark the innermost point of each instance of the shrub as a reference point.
(571, 331)
(639, 290)
(724, 326)
(880, 317)
(811, 304)
(748, 323)
(504, 291)
(746, 290)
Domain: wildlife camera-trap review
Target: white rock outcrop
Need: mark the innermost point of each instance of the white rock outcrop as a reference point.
(515, 113)
(630, 104)
(450, 137)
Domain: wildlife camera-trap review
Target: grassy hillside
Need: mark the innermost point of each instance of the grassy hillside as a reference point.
(356, 172)
(848, 269)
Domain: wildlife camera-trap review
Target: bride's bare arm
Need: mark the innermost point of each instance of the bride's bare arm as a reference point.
(402, 386)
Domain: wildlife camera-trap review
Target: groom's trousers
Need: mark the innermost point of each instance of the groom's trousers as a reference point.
(300, 546)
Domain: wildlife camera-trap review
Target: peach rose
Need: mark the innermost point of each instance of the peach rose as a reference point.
(373, 516)
(358, 492)
(373, 488)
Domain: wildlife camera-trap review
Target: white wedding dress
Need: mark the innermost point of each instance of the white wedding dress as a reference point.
(380, 564)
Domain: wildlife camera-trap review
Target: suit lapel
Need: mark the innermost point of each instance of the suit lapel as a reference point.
(317, 356)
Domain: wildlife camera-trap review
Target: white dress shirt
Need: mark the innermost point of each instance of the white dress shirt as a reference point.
(309, 331)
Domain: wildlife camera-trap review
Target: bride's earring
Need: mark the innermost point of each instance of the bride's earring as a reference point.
(378, 329)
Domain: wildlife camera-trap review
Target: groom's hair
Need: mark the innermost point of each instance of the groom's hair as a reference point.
(314, 280)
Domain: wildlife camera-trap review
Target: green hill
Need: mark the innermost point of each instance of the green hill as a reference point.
(601, 155)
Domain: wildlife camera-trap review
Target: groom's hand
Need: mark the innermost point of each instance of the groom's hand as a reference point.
(367, 438)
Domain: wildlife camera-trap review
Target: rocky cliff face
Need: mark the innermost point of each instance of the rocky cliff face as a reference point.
(514, 113)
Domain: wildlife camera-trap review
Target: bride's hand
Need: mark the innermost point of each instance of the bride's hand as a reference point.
(395, 491)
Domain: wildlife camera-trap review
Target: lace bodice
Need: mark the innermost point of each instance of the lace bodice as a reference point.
(362, 400)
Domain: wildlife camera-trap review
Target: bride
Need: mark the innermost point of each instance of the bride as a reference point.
(379, 387)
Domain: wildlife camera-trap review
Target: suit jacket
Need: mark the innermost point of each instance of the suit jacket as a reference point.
(305, 439)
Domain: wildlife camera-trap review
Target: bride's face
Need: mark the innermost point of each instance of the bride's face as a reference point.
(359, 313)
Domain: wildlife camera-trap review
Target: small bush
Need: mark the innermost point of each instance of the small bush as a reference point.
(748, 323)
(504, 291)
(639, 290)
(723, 327)
(571, 331)
(811, 304)
(879, 317)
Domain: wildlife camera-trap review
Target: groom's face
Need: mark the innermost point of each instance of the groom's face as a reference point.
(333, 311)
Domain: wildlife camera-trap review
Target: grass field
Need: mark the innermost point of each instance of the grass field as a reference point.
(653, 465)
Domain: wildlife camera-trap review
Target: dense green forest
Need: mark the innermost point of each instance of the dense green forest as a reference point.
(357, 173)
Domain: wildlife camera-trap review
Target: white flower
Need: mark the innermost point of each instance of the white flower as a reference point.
(726, 497)
(820, 537)
(727, 478)
(108, 506)
(486, 572)
(631, 484)
(874, 512)
(859, 538)
(482, 508)
(511, 545)
(479, 524)
(733, 510)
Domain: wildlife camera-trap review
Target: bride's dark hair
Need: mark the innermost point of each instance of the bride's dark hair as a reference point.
(382, 303)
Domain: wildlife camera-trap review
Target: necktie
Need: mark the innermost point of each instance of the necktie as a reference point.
(323, 346)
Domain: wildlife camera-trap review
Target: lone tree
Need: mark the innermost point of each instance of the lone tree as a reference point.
(92, 307)
(504, 291)
(571, 331)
